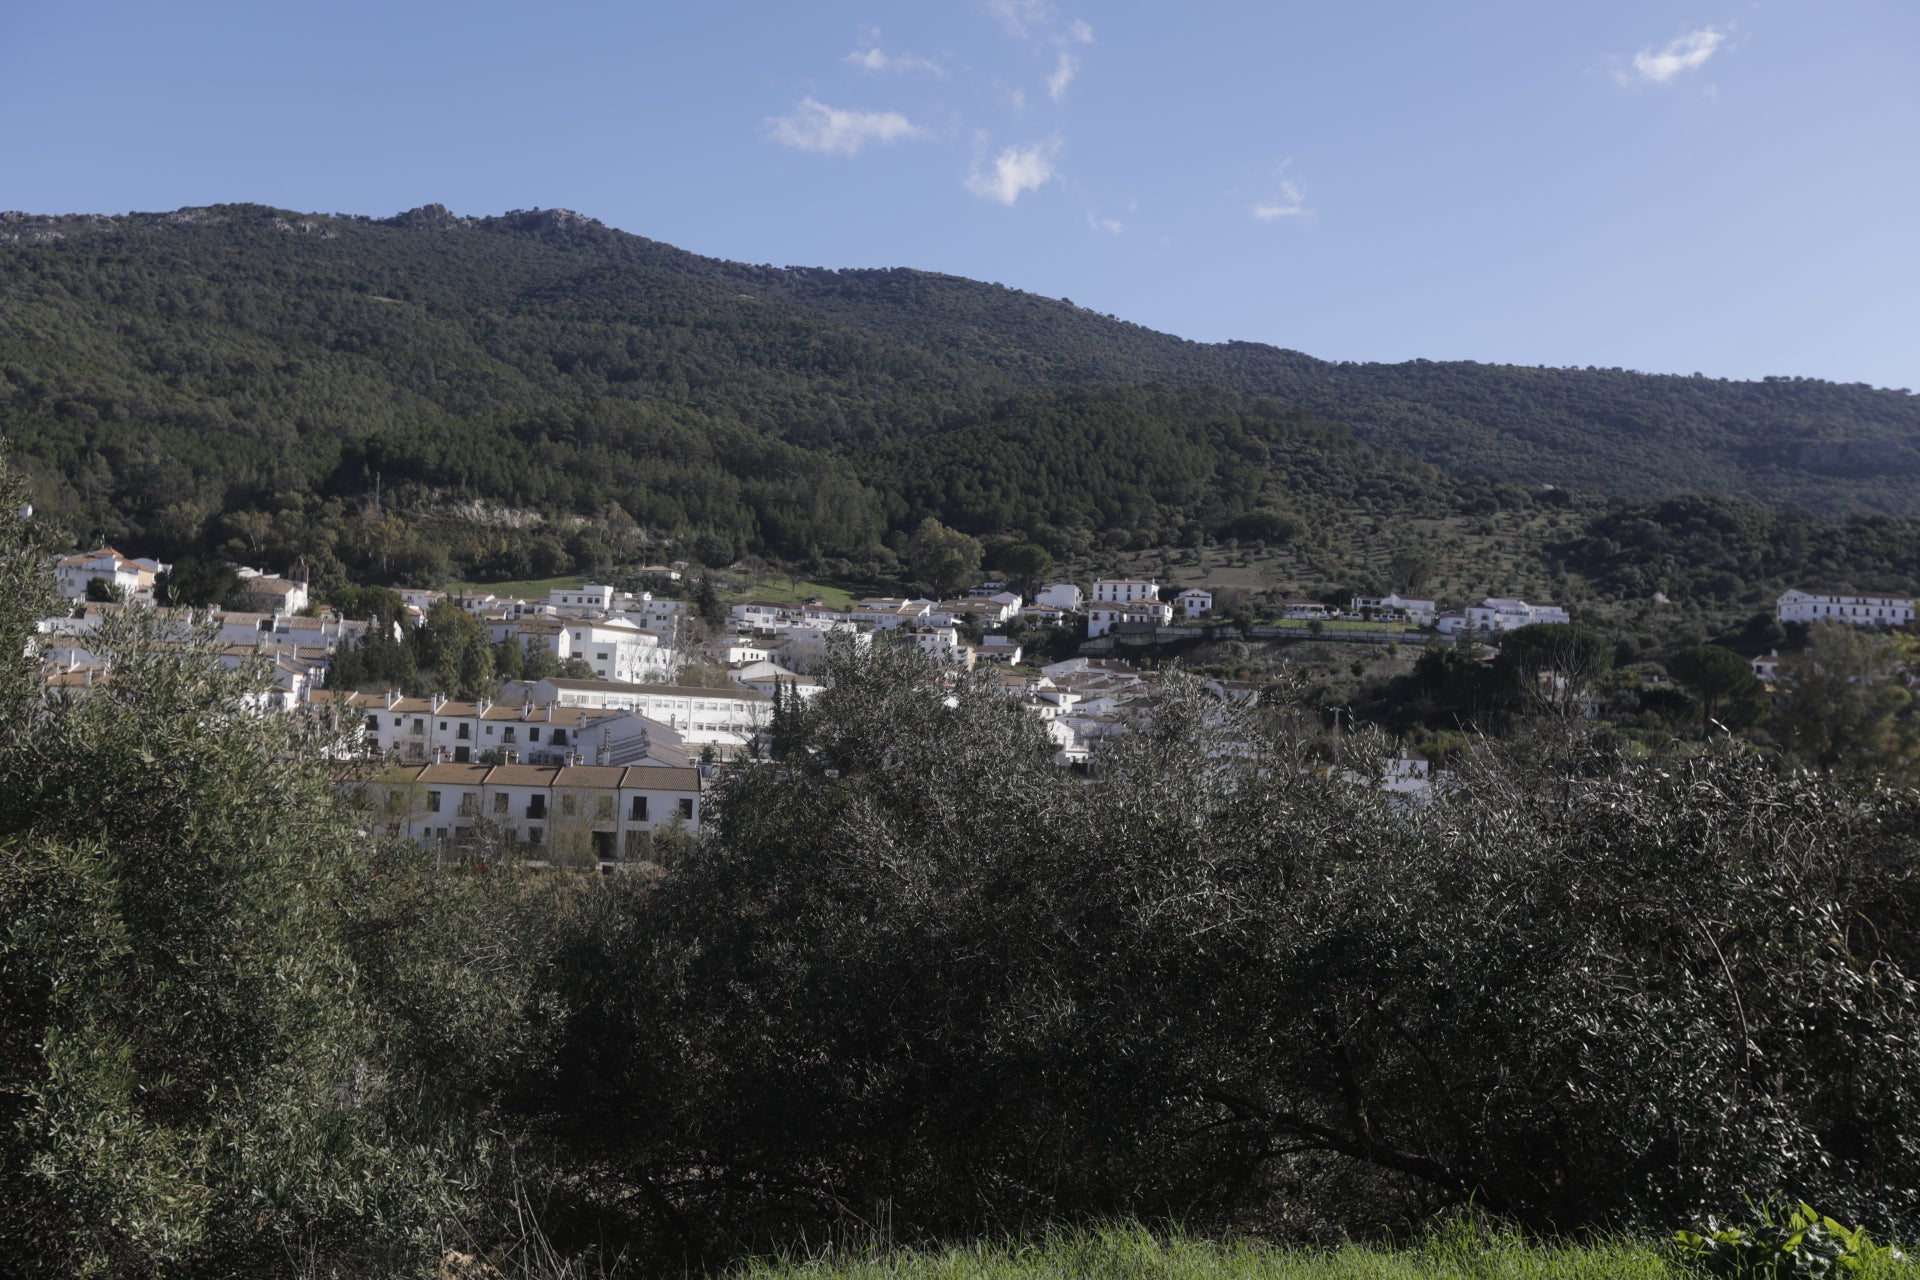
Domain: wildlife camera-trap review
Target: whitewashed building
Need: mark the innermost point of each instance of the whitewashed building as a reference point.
(1060, 595)
(1854, 608)
(1124, 590)
(1194, 601)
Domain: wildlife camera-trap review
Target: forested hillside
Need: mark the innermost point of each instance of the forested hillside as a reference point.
(160, 374)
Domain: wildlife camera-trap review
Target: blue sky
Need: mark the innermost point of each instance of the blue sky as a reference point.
(1727, 187)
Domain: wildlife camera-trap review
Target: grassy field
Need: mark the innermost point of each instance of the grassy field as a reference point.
(1131, 1254)
(779, 589)
(525, 589)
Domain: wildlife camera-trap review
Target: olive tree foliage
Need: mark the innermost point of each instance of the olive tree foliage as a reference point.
(915, 964)
(236, 1037)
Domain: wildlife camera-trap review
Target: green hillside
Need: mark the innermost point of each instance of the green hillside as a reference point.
(162, 373)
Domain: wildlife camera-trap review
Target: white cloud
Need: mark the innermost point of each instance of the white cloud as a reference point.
(1020, 16)
(814, 126)
(1063, 73)
(1291, 202)
(1080, 30)
(1683, 53)
(1015, 171)
(1110, 226)
(874, 58)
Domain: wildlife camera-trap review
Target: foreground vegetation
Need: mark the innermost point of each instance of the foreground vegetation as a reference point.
(914, 973)
(1453, 1253)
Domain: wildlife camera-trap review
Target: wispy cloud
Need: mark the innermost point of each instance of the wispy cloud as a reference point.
(1020, 17)
(1063, 73)
(874, 58)
(1683, 53)
(1015, 171)
(1290, 200)
(814, 126)
(1106, 226)
(1080, 31)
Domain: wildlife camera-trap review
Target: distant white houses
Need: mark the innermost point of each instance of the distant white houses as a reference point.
(1421, 612)
(132, 577)
(1496, 614)
(1853, 608)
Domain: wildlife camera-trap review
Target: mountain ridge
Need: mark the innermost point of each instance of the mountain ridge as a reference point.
(241, 350)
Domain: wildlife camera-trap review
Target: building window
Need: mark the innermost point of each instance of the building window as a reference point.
(559, 737)
(462, 755)
(489, 731)
(433, 802)
(686, 810)
(443, 726)
(500, 802)
(603, 809)
(462, 734)
(639, 813)
(468, 804)
(569, 805)
(533, 735)
(506, 734)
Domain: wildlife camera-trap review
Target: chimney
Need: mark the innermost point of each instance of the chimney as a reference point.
(393, 696)
(439, 700)
(483, 706)
(510, 757)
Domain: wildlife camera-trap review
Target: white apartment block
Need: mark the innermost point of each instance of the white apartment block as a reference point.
(1123, 591)
(1852, 608)
(618, 650)
(582, 813)
(724, 719)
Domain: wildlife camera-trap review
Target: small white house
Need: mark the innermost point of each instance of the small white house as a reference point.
(1060, 595)
(587, 596)
(1193, 602)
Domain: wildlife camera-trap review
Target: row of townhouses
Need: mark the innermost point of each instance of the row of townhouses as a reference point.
(602, 813)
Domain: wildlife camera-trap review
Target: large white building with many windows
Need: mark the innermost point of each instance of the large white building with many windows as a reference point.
(1854, 608)
(1124, 591)
(582, 814)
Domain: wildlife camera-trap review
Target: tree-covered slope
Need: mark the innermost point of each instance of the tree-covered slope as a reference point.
(157, 370)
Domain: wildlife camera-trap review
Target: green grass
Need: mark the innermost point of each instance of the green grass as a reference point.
(1134, 1254)
(776, 589)
(525, 589)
